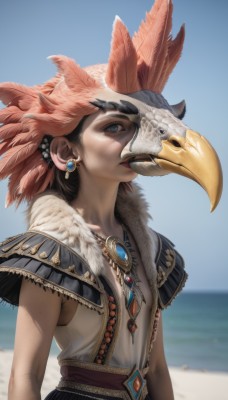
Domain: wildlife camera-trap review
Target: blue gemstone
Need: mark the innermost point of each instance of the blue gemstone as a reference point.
(70, 165)
(122, 254)
(130, 297)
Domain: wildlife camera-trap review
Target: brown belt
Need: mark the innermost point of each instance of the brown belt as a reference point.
(106, 380)
(103, 380)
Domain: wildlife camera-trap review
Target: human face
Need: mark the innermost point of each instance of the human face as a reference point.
(103, 137)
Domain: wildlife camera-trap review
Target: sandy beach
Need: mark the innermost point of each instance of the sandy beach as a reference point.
(188, 384)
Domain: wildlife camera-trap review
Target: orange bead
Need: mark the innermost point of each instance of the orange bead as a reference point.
(108, 340)
(134, 307)
(137, 384)
(112, 322)
(112, 313)
(112, 306)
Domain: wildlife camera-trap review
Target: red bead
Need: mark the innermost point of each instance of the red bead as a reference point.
(128, 279)
(107, 334)
(112, 322)
(109, 328)
(131, 326)
(112, 313)
(111, 299)
(112, 306)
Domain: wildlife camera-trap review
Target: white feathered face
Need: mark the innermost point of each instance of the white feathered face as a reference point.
(162, 143)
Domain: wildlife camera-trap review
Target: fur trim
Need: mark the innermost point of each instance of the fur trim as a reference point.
(51, 214)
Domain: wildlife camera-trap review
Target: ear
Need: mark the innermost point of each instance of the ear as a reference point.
(61, 150)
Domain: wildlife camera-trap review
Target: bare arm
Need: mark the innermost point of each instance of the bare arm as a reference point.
(158, 378)
(38, 314)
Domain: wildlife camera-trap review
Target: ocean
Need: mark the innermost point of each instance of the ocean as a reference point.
(195, 331)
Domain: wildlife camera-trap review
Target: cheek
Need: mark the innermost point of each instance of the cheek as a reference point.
(102, 150)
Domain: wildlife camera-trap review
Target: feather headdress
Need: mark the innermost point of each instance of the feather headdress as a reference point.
(55, 108)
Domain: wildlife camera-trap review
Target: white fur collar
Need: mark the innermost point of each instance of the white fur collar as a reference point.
(51, 214)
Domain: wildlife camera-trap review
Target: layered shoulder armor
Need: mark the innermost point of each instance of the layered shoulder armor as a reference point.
(50, 264)
(171, 275)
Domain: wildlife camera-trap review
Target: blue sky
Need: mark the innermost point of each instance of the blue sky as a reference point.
(32, 30)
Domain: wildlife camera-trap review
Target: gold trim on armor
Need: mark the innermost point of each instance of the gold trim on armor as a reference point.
(122, 394)
(21, 249)
(58, 289)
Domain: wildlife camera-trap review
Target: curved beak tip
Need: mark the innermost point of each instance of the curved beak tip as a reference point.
(196, 159)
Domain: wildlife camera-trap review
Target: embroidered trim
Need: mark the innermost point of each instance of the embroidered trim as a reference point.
(109, 331)
(121, 394)
(171, 275)
(54, 260)
(174, 294)
(155, 329)
(54, 287)
(117, 325)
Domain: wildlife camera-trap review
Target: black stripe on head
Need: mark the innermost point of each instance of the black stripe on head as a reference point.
(124, 106)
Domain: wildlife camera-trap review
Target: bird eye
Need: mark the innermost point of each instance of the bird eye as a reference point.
(162, 131)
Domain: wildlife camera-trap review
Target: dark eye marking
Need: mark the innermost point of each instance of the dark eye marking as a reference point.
(123, 106)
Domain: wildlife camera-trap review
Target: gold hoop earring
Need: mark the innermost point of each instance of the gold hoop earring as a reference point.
(71, 166)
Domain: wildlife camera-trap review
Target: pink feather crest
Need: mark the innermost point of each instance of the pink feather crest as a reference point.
(14, 156)
(13, 92)
(66, 115)
(10, 130)
(47, 103)
(34, 170)
(153, 45)
(30, 178)
(121, 73)
(75, 77)
(174, 53)
(10, 114)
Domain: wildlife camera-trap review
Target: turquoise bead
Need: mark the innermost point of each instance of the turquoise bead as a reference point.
(70, 165)
(122, 254)
(130, 297)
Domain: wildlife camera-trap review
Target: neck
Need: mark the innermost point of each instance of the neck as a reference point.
(97, 207)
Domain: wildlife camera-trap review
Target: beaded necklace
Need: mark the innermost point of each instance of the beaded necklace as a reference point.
(121, 258)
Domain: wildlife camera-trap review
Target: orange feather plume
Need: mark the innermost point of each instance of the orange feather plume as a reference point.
(121, 74)
(157, 53)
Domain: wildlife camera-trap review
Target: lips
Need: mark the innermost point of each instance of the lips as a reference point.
(143, 164)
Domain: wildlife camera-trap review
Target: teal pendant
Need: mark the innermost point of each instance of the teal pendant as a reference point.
(119, 253)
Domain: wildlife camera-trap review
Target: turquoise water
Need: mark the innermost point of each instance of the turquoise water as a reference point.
(195, 331)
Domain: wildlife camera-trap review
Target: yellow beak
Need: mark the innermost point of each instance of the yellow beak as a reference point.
(194, 157)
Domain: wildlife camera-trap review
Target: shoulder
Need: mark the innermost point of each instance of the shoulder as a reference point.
(48, 262)
(171, 274)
